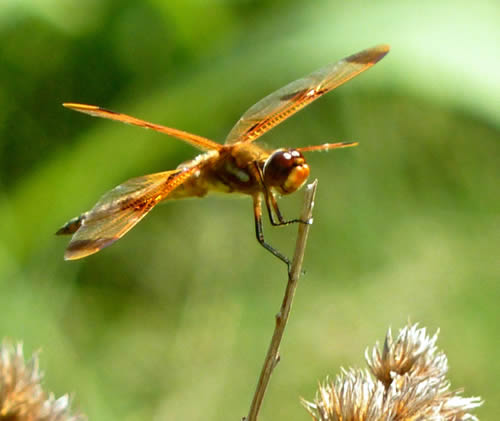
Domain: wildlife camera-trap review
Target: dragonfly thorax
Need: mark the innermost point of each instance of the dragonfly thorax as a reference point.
(285, 170)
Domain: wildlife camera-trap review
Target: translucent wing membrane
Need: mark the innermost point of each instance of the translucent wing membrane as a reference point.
(274, 108)
(198, 141)
(120, 209)
(327, 146)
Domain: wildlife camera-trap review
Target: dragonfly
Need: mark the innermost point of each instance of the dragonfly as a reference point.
(237, 166)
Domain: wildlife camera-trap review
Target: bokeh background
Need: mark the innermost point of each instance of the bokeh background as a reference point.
(174, 320)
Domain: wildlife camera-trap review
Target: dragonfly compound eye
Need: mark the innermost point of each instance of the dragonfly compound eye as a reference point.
(285, 170)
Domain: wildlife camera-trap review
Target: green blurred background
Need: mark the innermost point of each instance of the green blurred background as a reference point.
(174, 320)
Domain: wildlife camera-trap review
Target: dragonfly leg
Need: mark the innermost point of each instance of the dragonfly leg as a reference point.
(257, 209)
(272, 204)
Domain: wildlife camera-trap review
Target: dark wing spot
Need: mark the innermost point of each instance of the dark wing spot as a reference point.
(371, 55)
(71, 226)
(144, 203)
(320, 92)
(295, 94)
(253, 127)
(137, 204)
(171, 176)
(108, 111)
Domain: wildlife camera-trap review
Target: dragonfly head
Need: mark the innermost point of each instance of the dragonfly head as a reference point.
(285, 170)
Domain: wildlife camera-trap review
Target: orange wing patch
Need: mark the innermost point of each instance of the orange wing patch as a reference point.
(121, 209)
(198, 141)
(283, 103)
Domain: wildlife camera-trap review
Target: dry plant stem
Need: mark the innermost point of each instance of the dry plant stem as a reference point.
(272, 356)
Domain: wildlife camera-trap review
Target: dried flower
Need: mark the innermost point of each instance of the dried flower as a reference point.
(21, 395)
(408, 383)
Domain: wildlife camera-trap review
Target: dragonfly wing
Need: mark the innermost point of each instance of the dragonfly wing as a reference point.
(283, 103)
(96, 111)
(120, 209)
